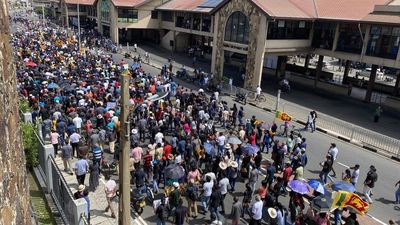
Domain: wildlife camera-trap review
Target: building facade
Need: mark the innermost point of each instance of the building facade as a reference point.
(365, 31)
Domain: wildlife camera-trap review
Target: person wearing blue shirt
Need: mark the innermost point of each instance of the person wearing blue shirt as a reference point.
(97, 154)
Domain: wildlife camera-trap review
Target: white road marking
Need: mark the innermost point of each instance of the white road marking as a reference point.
(344, 165)
(377, 220)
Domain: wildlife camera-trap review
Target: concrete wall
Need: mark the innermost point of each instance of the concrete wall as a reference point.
(14, 186)
(144, 17)
(181, 42)
(165, 40)
(274, 44)
(321, 86)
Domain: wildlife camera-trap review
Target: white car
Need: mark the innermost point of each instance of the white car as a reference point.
(367, 72)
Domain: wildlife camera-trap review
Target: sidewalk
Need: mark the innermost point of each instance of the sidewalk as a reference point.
(348, 110)
(98, 202)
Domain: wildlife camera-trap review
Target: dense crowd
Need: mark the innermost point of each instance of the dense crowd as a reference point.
(191, 144)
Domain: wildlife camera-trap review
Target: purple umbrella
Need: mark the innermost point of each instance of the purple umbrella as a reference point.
(250, 149)
(299, 186)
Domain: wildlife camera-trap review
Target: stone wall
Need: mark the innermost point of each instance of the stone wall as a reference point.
(254, 16)
(14, 187)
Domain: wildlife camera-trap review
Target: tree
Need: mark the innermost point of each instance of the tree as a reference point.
(14, 186)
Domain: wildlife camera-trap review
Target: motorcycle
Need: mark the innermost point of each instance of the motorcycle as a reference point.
(241, 97)
(138, 201)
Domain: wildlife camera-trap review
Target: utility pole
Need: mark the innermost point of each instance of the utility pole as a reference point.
(43, 13)
(124, 212)
(79, 27)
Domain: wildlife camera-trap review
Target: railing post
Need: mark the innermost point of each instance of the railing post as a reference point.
(28, 117)
(79, 209)
(47, 151)
(353, 128)
(278, 99)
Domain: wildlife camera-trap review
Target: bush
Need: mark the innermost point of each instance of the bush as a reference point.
(24, 106)
(30, 144)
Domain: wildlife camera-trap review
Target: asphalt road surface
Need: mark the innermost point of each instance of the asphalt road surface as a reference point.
(383, 206)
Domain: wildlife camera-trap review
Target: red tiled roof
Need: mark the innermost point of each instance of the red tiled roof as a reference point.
(81, 2)
(346, 9)
(185, 5)
(281, 9)
(129, 3)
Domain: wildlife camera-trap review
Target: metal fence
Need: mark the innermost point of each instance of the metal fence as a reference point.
(61, 193)
(342, 128)
(72, 210)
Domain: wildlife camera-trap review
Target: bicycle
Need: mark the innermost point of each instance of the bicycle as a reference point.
(284, 131)
(253, 97)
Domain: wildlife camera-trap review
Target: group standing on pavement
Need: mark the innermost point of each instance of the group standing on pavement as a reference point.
(193, 146)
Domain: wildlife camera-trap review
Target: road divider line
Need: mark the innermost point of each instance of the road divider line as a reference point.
(344, 165)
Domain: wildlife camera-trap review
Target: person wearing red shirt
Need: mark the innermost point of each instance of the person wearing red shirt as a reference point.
(167, 150)
(147, 166)
(287, 172)
(252, 138)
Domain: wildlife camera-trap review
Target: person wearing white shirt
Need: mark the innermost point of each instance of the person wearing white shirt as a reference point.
(159, 138)
(207, 191)
(223, 188)
(78, 123)
(333, 151)
(355, 174)
(258, 91)
(256, 211)
(221, 143)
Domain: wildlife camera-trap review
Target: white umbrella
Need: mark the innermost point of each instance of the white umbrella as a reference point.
(234, 140)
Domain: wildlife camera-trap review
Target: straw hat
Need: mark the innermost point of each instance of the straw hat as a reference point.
(223, 165)
(227, 146)
(171, 157)
(175, 184)
(272, 213)
(134, 131)
(233, 164)
(81, 187)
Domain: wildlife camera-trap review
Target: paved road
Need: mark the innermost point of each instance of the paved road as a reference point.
(318, 143)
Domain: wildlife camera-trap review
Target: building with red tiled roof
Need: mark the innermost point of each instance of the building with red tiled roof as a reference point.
(253, 31)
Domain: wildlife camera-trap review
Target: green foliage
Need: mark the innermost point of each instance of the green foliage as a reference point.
(31, 144)
(24, 106)
(38, 202)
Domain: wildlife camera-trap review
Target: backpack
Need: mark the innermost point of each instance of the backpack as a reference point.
(192, 193)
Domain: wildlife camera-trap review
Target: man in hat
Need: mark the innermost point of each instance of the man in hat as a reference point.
(369, 183)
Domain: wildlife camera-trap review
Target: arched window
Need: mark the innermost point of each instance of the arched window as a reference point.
(237, 28)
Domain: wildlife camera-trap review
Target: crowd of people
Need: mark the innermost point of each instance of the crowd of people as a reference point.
(193, 146)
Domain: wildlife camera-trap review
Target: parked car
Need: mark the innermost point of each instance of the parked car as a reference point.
(367, 72)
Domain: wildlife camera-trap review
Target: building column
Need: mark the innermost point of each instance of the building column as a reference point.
(114, 24)
(216, 49)
(346, 71)
(366, 40)
(371, 83)
(319, 69)
(307, 61)
(396, 89)
(251, 82)
(281, 66)
(336, 38)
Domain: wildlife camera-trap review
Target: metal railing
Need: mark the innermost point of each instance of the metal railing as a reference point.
(61, 193)
(342, 128)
